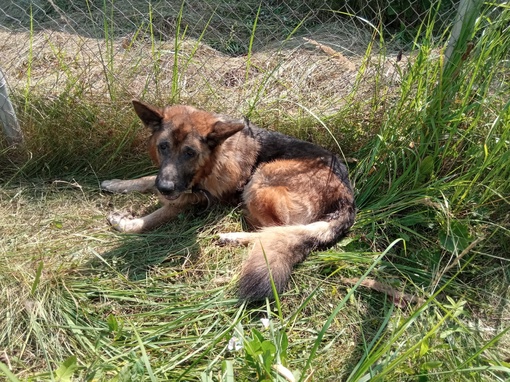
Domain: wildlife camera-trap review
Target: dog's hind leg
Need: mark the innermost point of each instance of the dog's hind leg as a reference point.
(238, 238)
(119, 186)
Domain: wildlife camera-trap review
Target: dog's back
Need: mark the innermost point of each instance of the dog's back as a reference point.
(299, 198)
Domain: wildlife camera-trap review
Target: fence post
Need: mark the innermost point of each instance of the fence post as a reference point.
(8, 115)
(464, 23)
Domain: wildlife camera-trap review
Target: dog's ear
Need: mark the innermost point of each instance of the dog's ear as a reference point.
(151, 116)
(223, 130)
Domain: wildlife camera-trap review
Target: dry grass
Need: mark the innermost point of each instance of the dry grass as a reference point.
(291, 88)
(91, 273)
(431, 186)
(298, 74)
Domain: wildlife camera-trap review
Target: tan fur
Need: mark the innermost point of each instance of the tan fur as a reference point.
(296, 194)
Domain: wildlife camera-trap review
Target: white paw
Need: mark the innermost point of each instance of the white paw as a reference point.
(114, 185)
(121, 221)
(233, 238)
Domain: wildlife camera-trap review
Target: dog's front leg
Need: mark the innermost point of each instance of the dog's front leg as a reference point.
(123, 222)
(119, 186)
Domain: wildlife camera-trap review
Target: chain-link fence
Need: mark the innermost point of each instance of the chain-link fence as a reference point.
(224, 55)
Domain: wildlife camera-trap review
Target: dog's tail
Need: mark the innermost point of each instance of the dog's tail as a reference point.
(277, 249)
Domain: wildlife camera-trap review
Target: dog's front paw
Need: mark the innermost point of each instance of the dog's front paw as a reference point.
(114, 185)
(121, 221)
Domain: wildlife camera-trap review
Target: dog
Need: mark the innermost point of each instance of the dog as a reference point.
(296, 195)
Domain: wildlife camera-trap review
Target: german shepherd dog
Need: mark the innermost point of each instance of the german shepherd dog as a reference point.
(296, 195)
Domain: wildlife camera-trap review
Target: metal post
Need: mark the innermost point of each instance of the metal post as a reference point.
(8, 115)
(464, 21)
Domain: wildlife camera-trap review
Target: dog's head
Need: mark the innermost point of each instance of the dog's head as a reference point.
(183, 144)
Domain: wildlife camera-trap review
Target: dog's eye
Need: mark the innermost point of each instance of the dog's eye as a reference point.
(163, 147)
(189, 152)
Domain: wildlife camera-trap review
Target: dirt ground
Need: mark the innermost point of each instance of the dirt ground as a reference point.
(316, 71)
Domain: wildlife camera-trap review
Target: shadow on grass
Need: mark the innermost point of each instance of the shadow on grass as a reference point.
(172, 247)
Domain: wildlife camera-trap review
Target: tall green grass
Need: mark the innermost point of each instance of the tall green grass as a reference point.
(81, 302)
(436, 177)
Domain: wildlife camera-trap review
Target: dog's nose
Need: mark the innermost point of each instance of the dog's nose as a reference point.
(165, 187)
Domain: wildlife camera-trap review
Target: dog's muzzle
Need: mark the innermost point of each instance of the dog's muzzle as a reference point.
(167, 189)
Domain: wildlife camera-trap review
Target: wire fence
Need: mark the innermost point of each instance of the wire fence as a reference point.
(224, 55)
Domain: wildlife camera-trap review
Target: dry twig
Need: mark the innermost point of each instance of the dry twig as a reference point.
(400, 299)
(339, 57)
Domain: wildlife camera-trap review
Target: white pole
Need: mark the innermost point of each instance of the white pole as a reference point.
(8, 115)
(466, 15)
